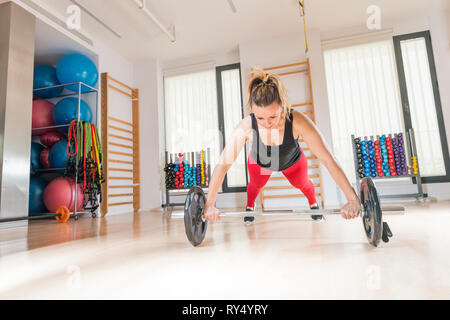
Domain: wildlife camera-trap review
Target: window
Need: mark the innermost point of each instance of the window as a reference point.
(191, 113)
(422, 105)
(387, 86)
(202, 105)
(363, 96)
(230, 113)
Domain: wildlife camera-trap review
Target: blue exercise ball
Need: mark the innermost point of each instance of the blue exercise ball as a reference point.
(36, 196)
(77, 68)
(58, 156)
(35, 162)
(45, 76)
(66, 110)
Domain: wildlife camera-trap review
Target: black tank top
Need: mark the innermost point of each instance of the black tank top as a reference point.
(275, 158)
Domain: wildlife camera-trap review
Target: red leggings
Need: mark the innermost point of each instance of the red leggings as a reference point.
(297, 176)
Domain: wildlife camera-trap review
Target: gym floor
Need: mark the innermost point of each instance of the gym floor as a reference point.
(147, 256)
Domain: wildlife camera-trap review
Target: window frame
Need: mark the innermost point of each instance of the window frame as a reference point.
(219, 69)
(437, 99)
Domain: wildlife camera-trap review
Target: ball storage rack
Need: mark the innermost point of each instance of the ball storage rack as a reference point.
(92, 209)
(410, 152)
(170, 192)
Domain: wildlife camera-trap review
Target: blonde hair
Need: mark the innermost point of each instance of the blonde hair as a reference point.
(265, 89)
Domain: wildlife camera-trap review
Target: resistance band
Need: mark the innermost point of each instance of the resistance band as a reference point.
(72, 129)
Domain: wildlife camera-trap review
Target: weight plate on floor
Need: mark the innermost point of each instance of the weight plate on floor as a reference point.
(62, 214)
(372, 215)
(193, 211)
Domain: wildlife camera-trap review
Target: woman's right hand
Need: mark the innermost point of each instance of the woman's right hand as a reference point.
(211, 213)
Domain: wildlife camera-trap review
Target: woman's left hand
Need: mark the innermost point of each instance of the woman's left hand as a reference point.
(351, 209)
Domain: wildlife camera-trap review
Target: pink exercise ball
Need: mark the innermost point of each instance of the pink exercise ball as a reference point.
(42, 116)
(50, 138)
(45, 162)
(61, 192)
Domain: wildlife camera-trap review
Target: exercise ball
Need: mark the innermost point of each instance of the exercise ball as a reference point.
(50, 138)
(66, 110)
(36, 150)
(61, 192)
(45, 76)
(58, 156)
(42, 116)
(77, 68)
(36, 196)
(44, 160)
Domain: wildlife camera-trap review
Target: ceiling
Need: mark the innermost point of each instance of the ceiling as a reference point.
(52, 45)
(206, 27)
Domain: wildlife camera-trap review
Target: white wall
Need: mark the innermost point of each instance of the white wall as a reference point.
(448, 22)
(119, 106)
(146, 75)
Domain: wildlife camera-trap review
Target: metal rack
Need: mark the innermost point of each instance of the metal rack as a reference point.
(94, 121)
(170, 158)
(411, 151)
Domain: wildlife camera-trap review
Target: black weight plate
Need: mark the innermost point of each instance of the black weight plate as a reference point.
(193, 211)
(372, 215)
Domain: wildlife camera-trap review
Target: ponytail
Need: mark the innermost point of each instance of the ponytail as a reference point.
(265, 89)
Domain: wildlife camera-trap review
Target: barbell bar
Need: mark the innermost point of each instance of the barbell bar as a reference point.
(61, 215)
(388, 209)
(371, 214)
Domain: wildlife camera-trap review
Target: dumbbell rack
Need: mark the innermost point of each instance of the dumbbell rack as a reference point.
(411, 151)
(170, 158)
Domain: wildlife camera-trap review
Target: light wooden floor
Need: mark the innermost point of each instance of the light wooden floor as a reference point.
(147, 256)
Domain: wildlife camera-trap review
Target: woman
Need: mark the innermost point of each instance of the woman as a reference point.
(273, 129)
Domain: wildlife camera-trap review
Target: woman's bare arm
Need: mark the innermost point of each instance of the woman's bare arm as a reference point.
(229, 154)
(313, 138)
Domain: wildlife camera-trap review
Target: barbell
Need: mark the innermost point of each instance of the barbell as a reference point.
(371, 213)
(61, 215)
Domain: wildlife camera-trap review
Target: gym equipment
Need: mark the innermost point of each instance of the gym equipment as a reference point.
(50, 138)
(35, 154)
(170, 175)
(391, 161)
(42, 116)
(62, 215)
(371, 213)
(43, 158)
(85, 152)
(379, 158)
(66, 110)
(202, 167)
(45, 76)
(61, 192)
(58, 156)
(185, 170)
(36, 196)
(77, 68)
